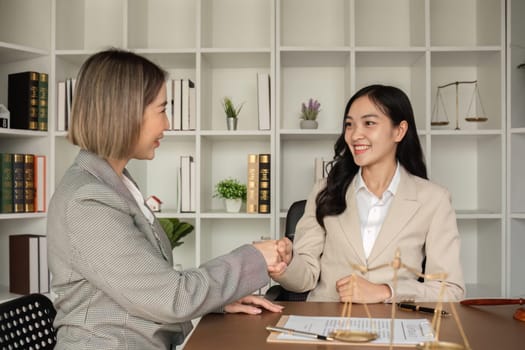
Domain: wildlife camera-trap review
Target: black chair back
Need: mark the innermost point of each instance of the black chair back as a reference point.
(276, 292)
(295, 212)
(27, 323)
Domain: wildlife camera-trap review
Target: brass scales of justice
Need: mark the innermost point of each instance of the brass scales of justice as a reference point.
(346, 334)
(471, 115)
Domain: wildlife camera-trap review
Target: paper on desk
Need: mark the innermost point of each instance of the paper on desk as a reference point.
(406, 331)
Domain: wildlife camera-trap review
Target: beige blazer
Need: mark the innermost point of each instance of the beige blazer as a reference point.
(421, 221)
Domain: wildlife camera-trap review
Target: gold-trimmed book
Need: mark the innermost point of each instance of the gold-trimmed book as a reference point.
(264, 183)
(252, 186)
(6, 183)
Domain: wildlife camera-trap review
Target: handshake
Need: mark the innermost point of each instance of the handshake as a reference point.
(277, 253)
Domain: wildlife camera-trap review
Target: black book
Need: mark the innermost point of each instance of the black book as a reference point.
(22, 100)
(264, 184)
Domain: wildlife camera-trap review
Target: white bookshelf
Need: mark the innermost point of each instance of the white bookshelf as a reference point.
(310, 48)
(329, 50)
(515, 282)
(22, 48)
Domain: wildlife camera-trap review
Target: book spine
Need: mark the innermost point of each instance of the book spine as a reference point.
(193, 186)
(263, 100)
(177, 104)
(40, 183)
(264, 184)
(192, 117)
(42, 101)
(23, 264)
(61, 106)
(252, 186)
(169, 102)
(29, 183)
(187, 84)
(69, 101)
(18, 183)
(43, 265)
(22, 100)
(6, 176)
(185, 176)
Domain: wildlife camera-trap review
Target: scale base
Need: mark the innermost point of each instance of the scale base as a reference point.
(437, 345)
(353, 336)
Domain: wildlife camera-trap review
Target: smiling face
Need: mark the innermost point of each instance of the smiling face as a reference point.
(370, 134)
(154, 122)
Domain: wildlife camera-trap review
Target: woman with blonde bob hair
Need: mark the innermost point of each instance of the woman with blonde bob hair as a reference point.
(111, 261)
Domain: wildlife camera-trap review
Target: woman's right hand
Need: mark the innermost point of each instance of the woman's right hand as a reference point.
(284, 249)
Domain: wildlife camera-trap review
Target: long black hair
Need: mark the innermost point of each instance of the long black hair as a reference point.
(395, 104)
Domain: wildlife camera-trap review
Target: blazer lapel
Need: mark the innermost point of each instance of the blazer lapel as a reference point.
(402, 209)
(351, 226)
(103, 171)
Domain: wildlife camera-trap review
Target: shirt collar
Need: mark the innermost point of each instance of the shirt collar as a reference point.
(392, 188)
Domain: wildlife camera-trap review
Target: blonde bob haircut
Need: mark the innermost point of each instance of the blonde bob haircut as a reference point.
(112, 91)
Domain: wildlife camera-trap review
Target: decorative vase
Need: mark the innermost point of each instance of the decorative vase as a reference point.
(308, 124)
(231, 123)
(233, 205)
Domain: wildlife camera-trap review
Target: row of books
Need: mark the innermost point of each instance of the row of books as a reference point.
(181, 107)
(23, 183)
(27, 100)
(187, 185)
(28, 265)
(258, 192)
(65, 92)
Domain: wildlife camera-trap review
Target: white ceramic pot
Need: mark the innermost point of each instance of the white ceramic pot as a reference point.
(308, 124)
(233, 205)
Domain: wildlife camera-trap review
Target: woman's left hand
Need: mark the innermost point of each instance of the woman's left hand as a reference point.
(252, 305)
(359, 290)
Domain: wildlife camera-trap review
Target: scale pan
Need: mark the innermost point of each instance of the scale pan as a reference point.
(439, 123)
(437, 345)
(476, 119)
(353, 336)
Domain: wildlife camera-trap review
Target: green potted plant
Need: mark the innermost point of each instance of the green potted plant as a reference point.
(233, 192)
(231, 112)
(175, 230)
(309, 113)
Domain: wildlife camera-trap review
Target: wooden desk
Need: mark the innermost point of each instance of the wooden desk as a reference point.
(487, 327)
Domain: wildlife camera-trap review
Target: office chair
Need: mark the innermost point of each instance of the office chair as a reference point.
(27, 323)
(276, 292)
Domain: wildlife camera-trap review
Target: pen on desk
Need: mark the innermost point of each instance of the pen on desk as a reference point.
(298, 332)
(414, 307)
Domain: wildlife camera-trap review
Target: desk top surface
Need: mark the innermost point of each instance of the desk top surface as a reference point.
(486, 327)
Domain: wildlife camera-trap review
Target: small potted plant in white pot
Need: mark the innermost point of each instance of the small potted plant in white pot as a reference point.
(309, 113)
(233, 192)
(231, 112)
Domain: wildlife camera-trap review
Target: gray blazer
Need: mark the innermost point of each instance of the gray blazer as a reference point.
(420, 222)
(112, 270)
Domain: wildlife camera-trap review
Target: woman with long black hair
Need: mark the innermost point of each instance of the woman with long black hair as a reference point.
(375, 202)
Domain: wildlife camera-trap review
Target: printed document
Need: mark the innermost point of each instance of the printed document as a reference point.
(406, 331)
